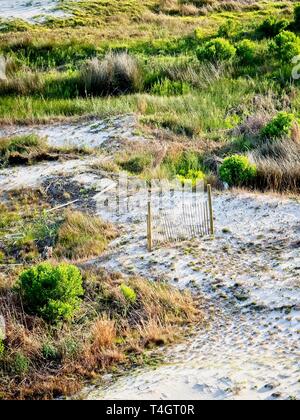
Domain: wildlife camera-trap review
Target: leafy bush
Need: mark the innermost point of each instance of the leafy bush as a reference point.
(116, 74)
(229, 29)
(279, 126)
(286, 45)
(52, 292)
(218, 49)
(246, 51)
(168, 87)
(128, 293)
(271, 27)
(237, 170)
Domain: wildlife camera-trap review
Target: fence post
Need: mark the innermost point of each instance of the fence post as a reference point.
(211, 213)
(149, 228)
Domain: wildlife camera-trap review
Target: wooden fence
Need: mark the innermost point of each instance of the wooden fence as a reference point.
(187, 221)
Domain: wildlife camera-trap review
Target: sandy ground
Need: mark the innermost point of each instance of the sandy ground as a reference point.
(90, 134)
(249, 276)
(35, 176)
(107, 134)
(28, 9)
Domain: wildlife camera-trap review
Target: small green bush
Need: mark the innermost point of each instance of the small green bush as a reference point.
(168, 87)
(279, 126)
(49, 352)
(218, 49)
(237, 170)
(128, 293)
(52, 292)
(20, 364)
(229, 29)
(246, 51)
(285, 46)
(272, 26)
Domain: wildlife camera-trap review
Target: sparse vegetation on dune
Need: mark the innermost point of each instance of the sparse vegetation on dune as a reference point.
(109, 329)
(65, 324)
(69, 235)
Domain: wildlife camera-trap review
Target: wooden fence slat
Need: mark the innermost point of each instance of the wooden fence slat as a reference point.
(211, 214)
(149, 227)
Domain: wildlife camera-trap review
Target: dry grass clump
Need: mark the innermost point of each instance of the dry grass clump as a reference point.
(116, 74)
(280, 176)
(203, 7)
(82, 236)
(23, 83)
(278, 165)
(42, 361)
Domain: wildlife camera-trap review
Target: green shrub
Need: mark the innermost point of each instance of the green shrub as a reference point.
(168, 87)
(229, 29)
(279, 126)
(50, 352)
(237, 170)
(20, 364)
(246, 51)
(52, 292)
(218, 49)
(128, 293)
(272, 26)
(137, 164)
(286, 45)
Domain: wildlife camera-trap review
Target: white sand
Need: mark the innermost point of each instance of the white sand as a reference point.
(34, 176)
(27, 10)
(247, 352)
(90, 134)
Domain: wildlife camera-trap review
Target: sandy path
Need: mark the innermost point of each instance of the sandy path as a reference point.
(250, 277)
